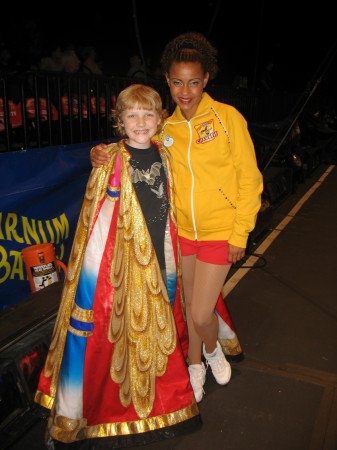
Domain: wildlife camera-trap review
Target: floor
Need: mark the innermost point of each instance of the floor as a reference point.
(283, 395)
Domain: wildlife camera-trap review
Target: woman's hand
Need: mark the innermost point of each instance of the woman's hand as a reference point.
(98, 156)
(235, 253)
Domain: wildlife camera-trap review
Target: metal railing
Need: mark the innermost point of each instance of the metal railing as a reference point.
(39, 109)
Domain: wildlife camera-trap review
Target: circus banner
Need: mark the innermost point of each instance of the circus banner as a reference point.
(41, 192)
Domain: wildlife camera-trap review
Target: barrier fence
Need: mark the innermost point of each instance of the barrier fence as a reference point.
(39, 109)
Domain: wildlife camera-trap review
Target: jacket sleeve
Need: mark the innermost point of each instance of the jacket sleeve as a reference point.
(248, 177)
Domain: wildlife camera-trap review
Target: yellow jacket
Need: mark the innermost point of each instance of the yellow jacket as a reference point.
(217, 182)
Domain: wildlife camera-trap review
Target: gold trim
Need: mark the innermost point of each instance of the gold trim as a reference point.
(113, 188)
(231, 347)
(44, 400)
(80, 333)
(70, 430)
(111, 199)
(84, 315)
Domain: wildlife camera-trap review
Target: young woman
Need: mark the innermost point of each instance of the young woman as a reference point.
(218, 190)
(116, 369)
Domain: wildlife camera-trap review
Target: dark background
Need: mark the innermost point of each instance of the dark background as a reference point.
(300, 40)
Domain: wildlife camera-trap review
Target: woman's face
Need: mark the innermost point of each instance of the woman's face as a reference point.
(187, 82)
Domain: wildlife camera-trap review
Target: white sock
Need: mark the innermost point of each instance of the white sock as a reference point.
(213, 352)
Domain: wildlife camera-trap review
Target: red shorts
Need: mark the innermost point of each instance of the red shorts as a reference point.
(213, 252)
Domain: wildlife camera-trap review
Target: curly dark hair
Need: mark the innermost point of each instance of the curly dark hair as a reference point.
(191, 47)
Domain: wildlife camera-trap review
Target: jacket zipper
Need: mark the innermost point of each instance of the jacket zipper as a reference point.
(192, 176)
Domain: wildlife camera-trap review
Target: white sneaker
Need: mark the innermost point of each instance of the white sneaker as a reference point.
(221, 368)
(197, 378)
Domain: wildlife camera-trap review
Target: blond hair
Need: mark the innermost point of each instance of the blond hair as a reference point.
(136, 96)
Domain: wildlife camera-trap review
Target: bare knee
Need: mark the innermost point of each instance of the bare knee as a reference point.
(202, 320)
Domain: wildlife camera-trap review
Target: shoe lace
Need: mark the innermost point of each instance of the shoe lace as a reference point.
(198, 377)
(216, 362)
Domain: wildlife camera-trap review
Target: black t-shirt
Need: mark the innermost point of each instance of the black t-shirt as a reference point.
(150, 183)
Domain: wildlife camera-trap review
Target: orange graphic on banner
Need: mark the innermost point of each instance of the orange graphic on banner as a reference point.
(30, 106)
(14, 114)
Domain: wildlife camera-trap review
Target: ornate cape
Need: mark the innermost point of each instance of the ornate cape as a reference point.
(116, 367)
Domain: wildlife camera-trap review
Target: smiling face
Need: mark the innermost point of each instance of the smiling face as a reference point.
(140, 126)
(187, 81)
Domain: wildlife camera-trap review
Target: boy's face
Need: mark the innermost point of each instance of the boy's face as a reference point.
(140, 126)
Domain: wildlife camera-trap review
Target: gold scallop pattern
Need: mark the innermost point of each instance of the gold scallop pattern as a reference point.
(142, 325)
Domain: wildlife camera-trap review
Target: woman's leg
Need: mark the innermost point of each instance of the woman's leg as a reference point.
(208, 281)
(202, 283)
(194, 340)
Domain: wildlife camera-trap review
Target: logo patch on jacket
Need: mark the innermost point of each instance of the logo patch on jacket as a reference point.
(206, 131)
